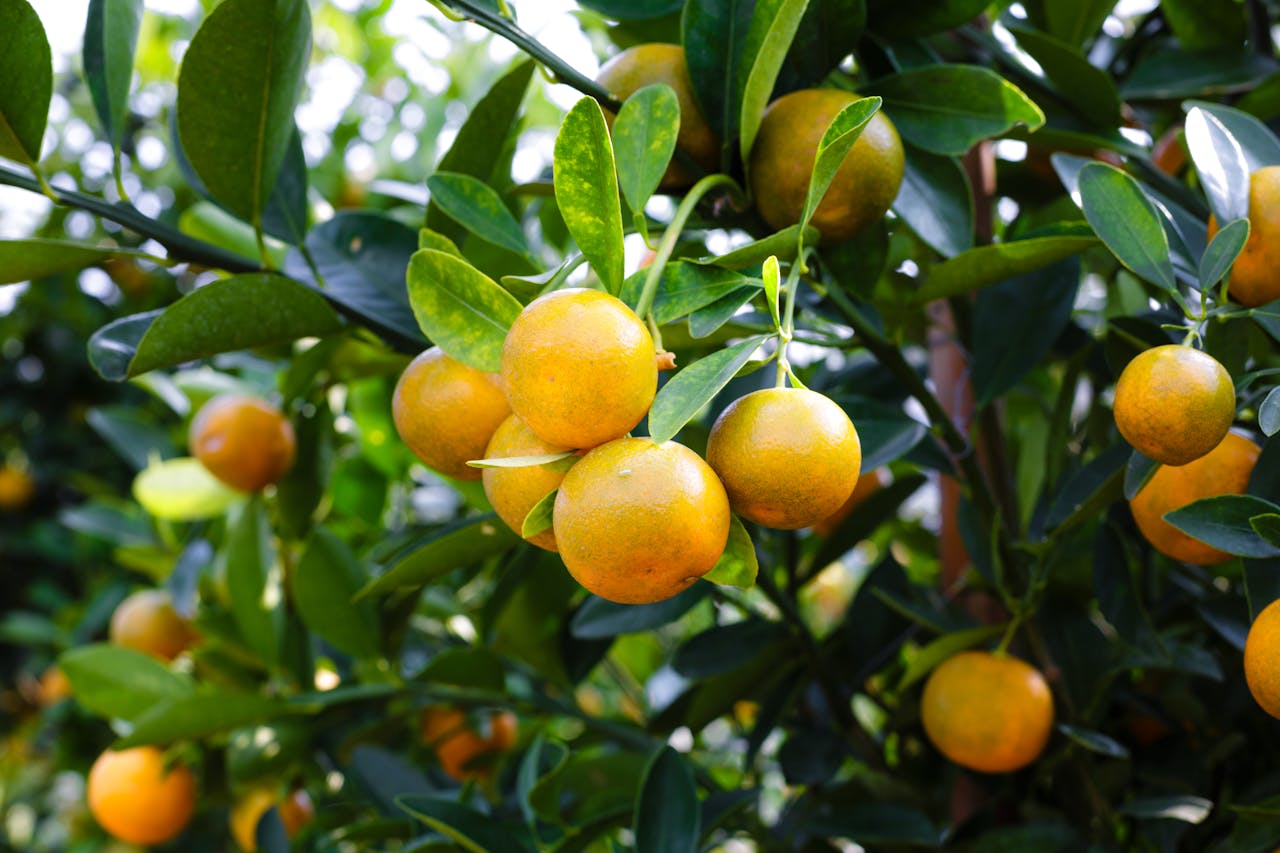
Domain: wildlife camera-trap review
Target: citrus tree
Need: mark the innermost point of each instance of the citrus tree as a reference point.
(837, 424)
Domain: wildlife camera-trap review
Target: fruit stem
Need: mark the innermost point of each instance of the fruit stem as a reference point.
(644, 307)
(787, 332)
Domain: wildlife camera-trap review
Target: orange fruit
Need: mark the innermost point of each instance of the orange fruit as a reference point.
(867, 485)
(446, 412)
(782, 160)
(647, 64)
(54, 687)
(463, 752)
(295, 812)
(515, 491)
(16, 488)
(1174, 403)
(988, 712)
(135, 799)
(639, 522)
(1262, 659)
(789, 457)
(147, 622)
(1224, 470)
(245, 442)
(1255, 276)
(578, 368)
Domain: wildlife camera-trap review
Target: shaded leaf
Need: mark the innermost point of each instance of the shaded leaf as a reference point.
(936, 202)
(1269, 413)
(598, 618)
(1126, 220)
(988, 265)
(1187, 809)
(471, 830)
(1223, 522)
(23, 260)
(713, 33)
(254, 579)
(465, 543)
(197, 715)
(322, 585)
(1094, 741)
(113, 681)
(667, 814)
(1222, 253)
(110, 39)
(1088, 88)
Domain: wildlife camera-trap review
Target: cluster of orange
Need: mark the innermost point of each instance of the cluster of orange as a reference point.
(634, 521)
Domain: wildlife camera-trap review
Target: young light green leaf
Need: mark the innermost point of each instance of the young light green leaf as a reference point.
(429, 239)
(1221, 164)
(110, 39)
(240, 81)
(1269, 413)
(182, 489)
(738, 565)
(476, 206)
(1222, 252)
(693, 387)
(586, 186)
(460, 308)
(26, 67)
(667, 818)
(772, 284)
(644, 138)
(521, 461)
(1223, 522)
(838, 138)
(1126, 220)
(773, 26)
(540, 516)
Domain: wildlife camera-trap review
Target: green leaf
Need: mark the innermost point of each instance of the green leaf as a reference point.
(879, 823)
(782, 244)
(471, 830)
(1269, 413)
(1267, 526)
(1260, 146)
(322, 585)
(988, 265)
(110, 39)
(201, 714)
(829, 31)
(182, 489)
(26, 260)
(1222, 252)
(480, 141)
(240, 312)
(667, 814)
(1220, 163)
(633, 10)
(547, 459)
(1074, 23)
(476, 206)
(686, 288)
(722, 648)
(772, 284)
(1223, 522)
(460, 308)
(906, 19)
(254, 579)
(1086, 87)
(586, 185)
(466, 543)
(836, 141)
(1126, 220)
(240, 81)
(738, 565)
(946, 646)
(686, 393)
(1137, 473)
(540, 516)
(1094, 741)
(1187, 809)
(713, 33)
(644, 138)
(113, 681)
(936, 202)
(598, 619)
(26, 67)
(131, 434)
(474, 667)
(773, 26)
(947, 108)
(428, 239)
(1170, 73)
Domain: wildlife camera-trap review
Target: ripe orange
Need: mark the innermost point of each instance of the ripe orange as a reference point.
(446, 412)
(515, 491)
(463, 752)
(1262, 659)
(1174, 403)
(147, 622)
(1224, 470)
(136, 800)
(789, 457)
(639, 522)
(782, 160)
(578, 368)
(988, 712)
(1255, 276)
(868, 484)
(54, 687)
(245, 442)
(647, 64)
(16, 488)
(295, 812)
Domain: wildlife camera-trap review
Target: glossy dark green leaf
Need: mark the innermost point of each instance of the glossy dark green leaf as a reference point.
(936, 202)
(1220, 163)
(947, 108)
(586, 185)
(644, 138)
(1187, 809)
(480, 141)
(708, 320)
(362, 257)
(1204, 25)
(1257, 141)
(322, 585)
(597, 618)
(879, 823)
(1074, 23)
(1171, 73)
(885, 431)
(197, 715)
(686, 393)
(460, 308)
(24, 260)
(110, 38)
(773, 25)
(687, 287)
(1126, 220)
(1088, 88)
(1222, 252)
(829, 32)
(241, 78)
(1090, 489)
(989, 265)
(667, 814)
(906, 19)
(633, 10)
(714, 33)
(1137, 473)
(1223, 522)
(287, 214)
(836, 141)
(1269, 413)
(1094, 741)
(738, 565)
(114, 681)
(26, 67)
(469, 829)
(725, 647)
(477, 207)
(540, 516)
(254, 579)
(463, 544)
(1267, 526)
